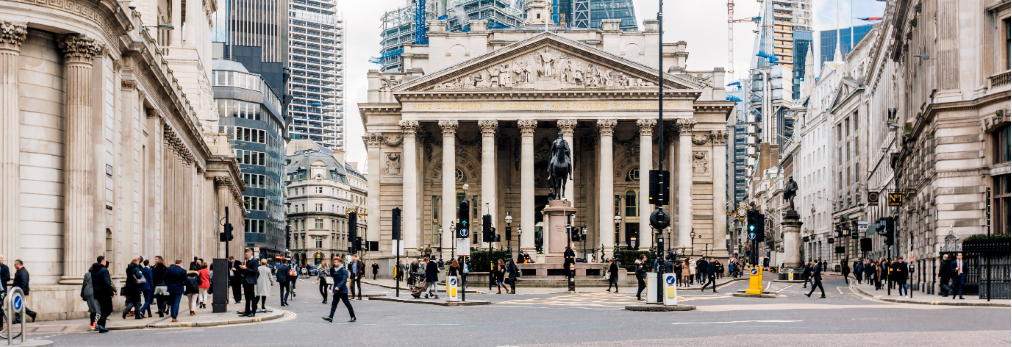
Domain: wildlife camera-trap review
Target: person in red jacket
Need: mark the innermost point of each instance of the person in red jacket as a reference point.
(205, 284)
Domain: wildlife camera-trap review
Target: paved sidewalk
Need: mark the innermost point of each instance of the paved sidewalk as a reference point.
(389, 283)
(204, 318)
(868, 289)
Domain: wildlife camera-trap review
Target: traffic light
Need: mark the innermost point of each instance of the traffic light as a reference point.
(750, 219)
(890, 228)
(486, 229)
(356, 242)
(227, 234)
(396, 216)
(356, 245)
(659, 187)
(760, 229)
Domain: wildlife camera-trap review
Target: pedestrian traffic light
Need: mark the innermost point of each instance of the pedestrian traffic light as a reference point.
(486, 228)
(396, 223)
(760, 229)
(750, 218)
(464, 212)
(890, 231)
(227, 234)
(660, 181)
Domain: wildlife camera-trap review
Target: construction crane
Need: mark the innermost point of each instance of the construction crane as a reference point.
(730, 35)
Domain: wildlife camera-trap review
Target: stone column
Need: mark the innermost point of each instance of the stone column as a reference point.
(684, 181)
(568, 127)
(449, 184)
(719, 139)
(646, 126)
(176, 34)
(409, 223)
(12, 35)
(488, 173)
(606, 186)
(194, 14)
(373, 142)
(527, 127)
(78, 212)
(792, 241)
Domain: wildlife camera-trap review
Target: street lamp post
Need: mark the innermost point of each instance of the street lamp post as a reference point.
(520, 233)
(440, 243)
(618, 223)
(692, 241)
(509, 220)
(583, 237)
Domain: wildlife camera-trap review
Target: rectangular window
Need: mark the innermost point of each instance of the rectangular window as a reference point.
(1002, 145)
(260, 159)
(1008, 43)
(319, 242)
(319, 223)
(319, 208)
(1002, 203)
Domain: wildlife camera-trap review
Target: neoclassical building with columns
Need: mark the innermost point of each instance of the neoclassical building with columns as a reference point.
(482, 108)
(103, 150)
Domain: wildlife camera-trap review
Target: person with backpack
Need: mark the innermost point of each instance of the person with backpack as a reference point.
(88, 295)
(132, 289)
(192, 288)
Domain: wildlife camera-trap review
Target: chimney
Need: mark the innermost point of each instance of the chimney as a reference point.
(339, 155)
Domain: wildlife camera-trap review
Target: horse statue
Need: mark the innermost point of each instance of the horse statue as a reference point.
(560, 167)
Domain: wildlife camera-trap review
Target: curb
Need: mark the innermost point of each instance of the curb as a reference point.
(201, 324)
(659, 308)
(437, 303)
(764, 296)
(937, 303)
(407, 288)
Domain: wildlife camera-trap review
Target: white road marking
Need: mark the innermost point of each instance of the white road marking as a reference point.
(739, 321)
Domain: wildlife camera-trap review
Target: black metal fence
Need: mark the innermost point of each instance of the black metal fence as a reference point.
(988, 266)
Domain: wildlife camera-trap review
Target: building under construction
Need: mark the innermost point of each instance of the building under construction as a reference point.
(407, 25)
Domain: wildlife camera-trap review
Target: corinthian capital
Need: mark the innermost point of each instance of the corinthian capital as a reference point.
(566, 126)
(409, 127)
(685, 125)
(79, 49)
(719, 137)
(372, 139)
(488, 126)
(12, 35)
(527, 126)
(449, 127)
(646, 126)
(607, 126)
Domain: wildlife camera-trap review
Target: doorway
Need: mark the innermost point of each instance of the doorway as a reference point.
(632, 235)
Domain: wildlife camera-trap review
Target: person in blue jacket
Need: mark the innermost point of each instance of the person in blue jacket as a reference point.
(340, 275)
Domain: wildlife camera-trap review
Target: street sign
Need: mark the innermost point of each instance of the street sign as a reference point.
(862, 226)
(751, 235)
(790, 274)
(754, 271)
(17, 302)
(256, 249)
(670, 291)
(873, 198)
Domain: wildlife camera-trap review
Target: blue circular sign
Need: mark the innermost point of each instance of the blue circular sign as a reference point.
(751, 236)
(754, 271)
(17, 303)
(464, 233)
(670, 279)
(453, 281)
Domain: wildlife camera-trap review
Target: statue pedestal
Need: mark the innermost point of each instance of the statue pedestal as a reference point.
(556, 214)
(792, 240)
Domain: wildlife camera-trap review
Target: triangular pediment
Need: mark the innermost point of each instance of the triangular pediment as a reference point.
(546, 62)
(847, 88)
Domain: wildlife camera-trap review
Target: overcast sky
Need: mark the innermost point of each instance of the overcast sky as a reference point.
(700, 23)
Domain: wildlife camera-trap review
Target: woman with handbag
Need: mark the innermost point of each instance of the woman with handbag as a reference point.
(205, 284)
(500, 271)
(132, 289)
(324, 280)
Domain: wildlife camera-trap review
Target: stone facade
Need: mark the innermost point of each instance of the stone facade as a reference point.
(103, 152)
(482, 109)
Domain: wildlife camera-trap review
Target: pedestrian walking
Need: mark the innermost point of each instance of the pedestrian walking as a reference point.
(687, 272)
(264, 283)
(711, 276)
(858, 271)
(5, 276)
(101, 287)
(283, 274)
(205, 284)
(357, 272)
(693, 270)
(175, 282)
(817, 281)
(431, 277)
(500, 272)
(900, 274)
(399, 271)
(678, 271)
(412, 272)
(944, 276)
(249, 282)
(612, 275)
(512, 272)
(235, 278)
(192, 288)
(88, 295)
(324, 280)
(806, 274)
(958, 275)
(340, 277)
(641, 276)
(132, 290)
(878, 274)
(375, 269)
(147, 287)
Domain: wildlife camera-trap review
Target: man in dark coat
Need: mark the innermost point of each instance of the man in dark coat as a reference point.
(104, 291)
(5, 276)
(340, 275)
(711, 276)
(806, 274)
(641, 276)
(235, 278)
(817, 280)
(132, 289)
(512, 273)
(944, 275)
(431, 277)
(282, 276)
(175, 280)
(249, 281)
(957, 271)
(375, 269)
(613, 275)
(357, 270)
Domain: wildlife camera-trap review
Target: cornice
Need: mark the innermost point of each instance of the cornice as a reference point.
(676, 94)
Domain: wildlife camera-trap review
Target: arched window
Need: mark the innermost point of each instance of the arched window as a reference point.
(633, 175)
(630, 204)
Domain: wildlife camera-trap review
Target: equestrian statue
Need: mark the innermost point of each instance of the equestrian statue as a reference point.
(560, 167)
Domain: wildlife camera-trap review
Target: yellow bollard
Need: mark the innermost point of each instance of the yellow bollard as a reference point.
(755, 281)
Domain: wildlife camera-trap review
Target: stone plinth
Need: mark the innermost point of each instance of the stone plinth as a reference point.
(792, 240)
(556, 215)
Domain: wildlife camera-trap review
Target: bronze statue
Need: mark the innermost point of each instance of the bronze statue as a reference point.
(790, 190)
(560, 167)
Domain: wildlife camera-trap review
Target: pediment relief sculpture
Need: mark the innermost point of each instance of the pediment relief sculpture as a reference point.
(545, 69)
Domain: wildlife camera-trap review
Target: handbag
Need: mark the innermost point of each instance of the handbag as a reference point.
(140, 279)
(329, 280)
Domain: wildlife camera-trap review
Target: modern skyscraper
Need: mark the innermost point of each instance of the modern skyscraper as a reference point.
(316, 84)
(250, 113)
(613, 9)
(254, 33)
(829, 38)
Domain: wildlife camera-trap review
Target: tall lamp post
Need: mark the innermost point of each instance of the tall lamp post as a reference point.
(583, 237)
(509, 220)
(692, 241)
(520, 233)
(440, 243)
(618, 223)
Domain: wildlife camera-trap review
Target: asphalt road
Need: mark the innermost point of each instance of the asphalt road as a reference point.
(595, 317)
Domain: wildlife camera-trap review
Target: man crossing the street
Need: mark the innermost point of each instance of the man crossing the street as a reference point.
(710, 275)
(357, 272)
(958, 275)
(817, 281)
(283, 277)
(340, 275)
